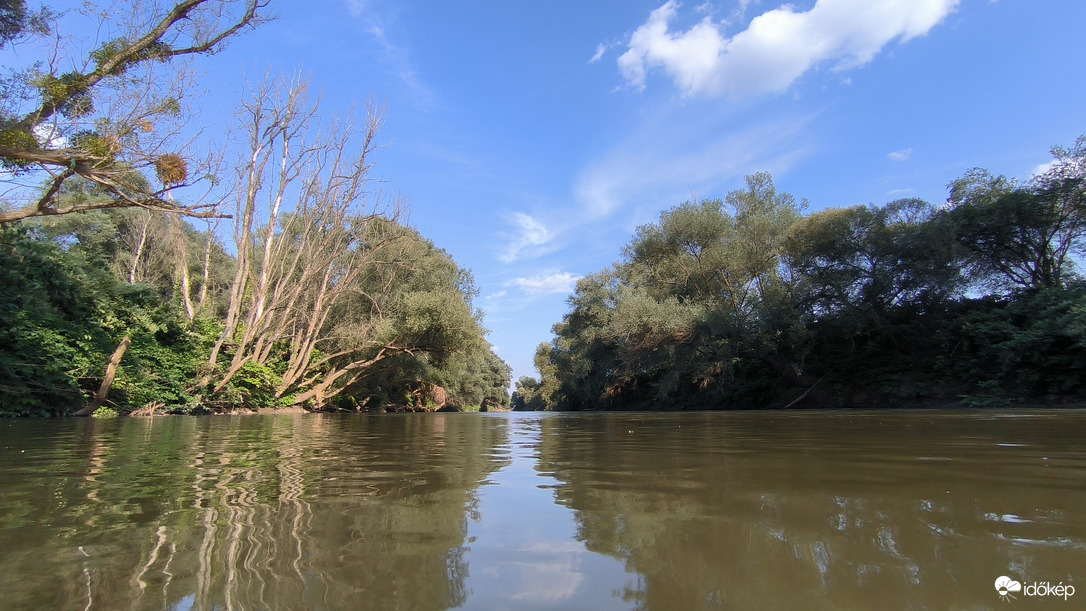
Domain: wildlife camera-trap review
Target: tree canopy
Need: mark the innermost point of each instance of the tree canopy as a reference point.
(748, 302)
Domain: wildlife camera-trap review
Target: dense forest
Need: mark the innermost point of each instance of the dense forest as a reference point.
(750, 302)
(298, 285)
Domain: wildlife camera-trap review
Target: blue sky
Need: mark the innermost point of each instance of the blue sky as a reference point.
(532, 138)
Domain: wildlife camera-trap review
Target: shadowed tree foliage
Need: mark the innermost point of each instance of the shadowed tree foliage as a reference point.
(1022, 236)
(17, 21)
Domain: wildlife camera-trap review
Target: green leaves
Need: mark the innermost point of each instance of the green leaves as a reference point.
(1021, 236)
(745, 302)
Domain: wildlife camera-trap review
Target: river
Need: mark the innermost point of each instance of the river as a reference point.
(711, 510)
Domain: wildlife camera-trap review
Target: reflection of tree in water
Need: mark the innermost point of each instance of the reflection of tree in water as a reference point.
(278, 512)
(822, 511)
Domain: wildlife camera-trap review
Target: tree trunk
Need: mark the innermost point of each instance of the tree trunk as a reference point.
(107, 382)
(202, 302)
(139, 247)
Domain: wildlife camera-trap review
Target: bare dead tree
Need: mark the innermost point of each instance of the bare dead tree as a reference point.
(307, 229)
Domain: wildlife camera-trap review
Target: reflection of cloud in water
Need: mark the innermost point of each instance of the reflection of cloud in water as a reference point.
(546, 572)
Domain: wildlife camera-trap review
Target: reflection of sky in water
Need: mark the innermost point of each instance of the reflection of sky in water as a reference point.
(498, 511)
(523, 553)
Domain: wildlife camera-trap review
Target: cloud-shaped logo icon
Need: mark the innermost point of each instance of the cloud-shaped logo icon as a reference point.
(1005, 585)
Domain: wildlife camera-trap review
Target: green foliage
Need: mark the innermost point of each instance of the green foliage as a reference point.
(1030, 345)
(17, 137)
(989, 394)
(105, 412)
(161, 364)
(697, 293)
(747, 303)
(109, 51)
(875, 258)
(528, 396)
(67, 93)
(52, 332)
(1022, 236)
(63, 312)
(429, 313)
(254, 386)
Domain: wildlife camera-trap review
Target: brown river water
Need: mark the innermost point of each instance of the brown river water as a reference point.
(712, 510)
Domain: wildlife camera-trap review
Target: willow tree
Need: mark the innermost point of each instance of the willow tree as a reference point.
(109, 109)
(706, 282)
(865, 260)
(699, 292)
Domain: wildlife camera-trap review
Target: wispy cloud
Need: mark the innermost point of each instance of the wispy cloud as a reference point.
(600, 50)
(777, 47)
(357, 7)
(530, 238)
(902, 155)
(397, 57)
(661, 164)
(544, 574)
(546, 284)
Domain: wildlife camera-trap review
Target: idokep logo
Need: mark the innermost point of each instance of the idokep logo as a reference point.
(1006, 587)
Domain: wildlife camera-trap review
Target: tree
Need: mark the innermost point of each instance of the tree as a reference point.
(16, 21)
(699, 293)
(713, 288)
(526, 397)
(871, 258)
(63, 312)
(298, 261)
(116, 119)
(329, 288)
(1023, 235)
(145, 246)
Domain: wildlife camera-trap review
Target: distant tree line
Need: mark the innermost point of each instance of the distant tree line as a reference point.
(748, 302)
(302, 287)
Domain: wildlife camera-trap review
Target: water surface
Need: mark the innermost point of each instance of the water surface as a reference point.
(721, 510)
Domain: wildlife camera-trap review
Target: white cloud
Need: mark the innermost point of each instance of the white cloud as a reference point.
(600, 50)
(544, 575)
(546, 582)
(530, 238)
(1044, 167)
(50, 136)
(777, 47)
(546, 284)
(902, 155)
(497, 295)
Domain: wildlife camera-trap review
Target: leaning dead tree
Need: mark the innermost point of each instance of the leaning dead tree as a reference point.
(308, 233)
(115, 112)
